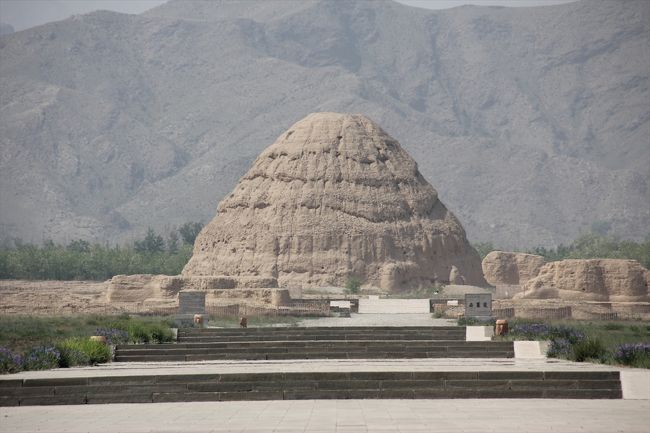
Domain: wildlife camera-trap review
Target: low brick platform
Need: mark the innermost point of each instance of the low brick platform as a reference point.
(311, 385)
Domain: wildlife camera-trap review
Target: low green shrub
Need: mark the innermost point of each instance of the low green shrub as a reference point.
(353, 285)
(467, 321)
(636, 330)
(71, 357)
(141, 332)
(83, 351)
(473, 321)
(589, 348)
(613, 327)
(138, 333)
(161, 334)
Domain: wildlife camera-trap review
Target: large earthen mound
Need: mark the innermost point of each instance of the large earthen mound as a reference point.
(613, 280)
(335, 197)
(501, 267)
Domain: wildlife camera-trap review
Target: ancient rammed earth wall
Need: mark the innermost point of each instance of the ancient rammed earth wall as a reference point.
(335, 197)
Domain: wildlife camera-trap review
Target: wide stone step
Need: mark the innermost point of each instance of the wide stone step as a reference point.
(264, 330)
(322, 335)
(295, 386)
(256, 356)
(347, 332)
(290, 337)
(317, 343)
(429, 334)
(197, 332)
(362, 349)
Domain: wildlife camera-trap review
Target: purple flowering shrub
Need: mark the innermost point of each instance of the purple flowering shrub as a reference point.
(565, 341)
(532, 331)
(113, 336)
(633, 354)
(41, 358)
(559, 348)
(9, 362)
(540, 331)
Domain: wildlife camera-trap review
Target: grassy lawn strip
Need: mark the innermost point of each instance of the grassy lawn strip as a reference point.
(20, 333)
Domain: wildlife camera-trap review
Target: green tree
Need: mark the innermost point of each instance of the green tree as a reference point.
(189, 231)
(172, 242)
(152, 243)
(484, 248)
(78, 245)
(596, 246)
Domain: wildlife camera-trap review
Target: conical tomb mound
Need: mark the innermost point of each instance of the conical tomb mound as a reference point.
(336, 197)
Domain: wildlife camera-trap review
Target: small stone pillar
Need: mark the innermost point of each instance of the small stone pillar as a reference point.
(501, 327)
(280, 297)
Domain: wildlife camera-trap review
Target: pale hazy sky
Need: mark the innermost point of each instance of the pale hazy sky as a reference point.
(22, 14)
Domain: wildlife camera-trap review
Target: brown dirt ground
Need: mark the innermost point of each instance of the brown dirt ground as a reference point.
(53, 297)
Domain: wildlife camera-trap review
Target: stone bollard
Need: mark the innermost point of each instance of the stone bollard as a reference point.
(243, 322)
(501, 327)
(198, 319)
(98, 338)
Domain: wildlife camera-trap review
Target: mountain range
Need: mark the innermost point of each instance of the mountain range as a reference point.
(533, 124)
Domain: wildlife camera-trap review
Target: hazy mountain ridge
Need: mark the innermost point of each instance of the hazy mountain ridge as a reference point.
(531, 123)
(6, 29)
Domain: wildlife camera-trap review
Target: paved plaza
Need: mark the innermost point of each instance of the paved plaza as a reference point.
(349, 416)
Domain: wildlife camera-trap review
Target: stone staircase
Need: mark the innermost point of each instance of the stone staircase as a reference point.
(313, 385)
(275, 372)
(316, 343)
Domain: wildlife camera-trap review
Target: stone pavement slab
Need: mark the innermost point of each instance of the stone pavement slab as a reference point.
(394, 306)
(337, 416)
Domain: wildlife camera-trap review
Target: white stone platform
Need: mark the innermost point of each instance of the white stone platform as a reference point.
(394, 306)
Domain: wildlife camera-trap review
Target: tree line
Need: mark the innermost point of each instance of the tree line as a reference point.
(153, 254)
(588, 246)
(81, 260)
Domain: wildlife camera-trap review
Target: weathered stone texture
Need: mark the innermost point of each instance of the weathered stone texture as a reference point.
(335, 196)
(142, 287)
(160, 288)
(500, 267)
(614, 280)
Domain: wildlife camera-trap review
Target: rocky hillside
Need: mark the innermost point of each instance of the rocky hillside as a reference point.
(533, 122)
